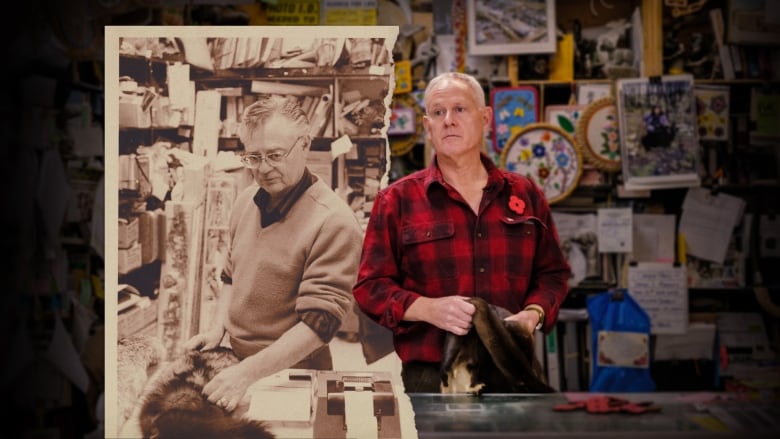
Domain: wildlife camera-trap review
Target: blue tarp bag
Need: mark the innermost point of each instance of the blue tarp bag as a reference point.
(620, 336)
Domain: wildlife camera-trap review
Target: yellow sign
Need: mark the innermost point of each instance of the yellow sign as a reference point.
(349, 12)
(294, 12)
(348, 17)
(403, 77)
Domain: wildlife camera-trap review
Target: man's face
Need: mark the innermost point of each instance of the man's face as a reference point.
(278, 135)
(455, 123)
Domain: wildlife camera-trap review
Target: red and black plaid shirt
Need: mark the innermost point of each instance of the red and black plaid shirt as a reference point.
(423, 239)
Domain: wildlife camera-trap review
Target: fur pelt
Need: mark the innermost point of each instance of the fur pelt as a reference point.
(495, 356)
(136, 357)
(177, 408)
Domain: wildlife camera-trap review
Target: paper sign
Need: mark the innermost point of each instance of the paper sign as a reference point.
(615, 230)
(662, 291)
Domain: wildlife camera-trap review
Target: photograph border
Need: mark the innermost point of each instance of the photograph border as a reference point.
(112, 39)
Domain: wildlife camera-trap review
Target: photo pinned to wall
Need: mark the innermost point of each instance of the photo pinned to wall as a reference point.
(578, 234)
(511, 27)
(608, 51)
(513, 109)
(658, 132)
(589, 93)
(598, 135)
(712, 111)
(341, 77)
(547, 155)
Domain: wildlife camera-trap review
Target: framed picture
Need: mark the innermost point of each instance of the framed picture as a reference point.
(712, 111)
(514, 108)
(658, 132)
(598, 135)
(547, 155)
(589, 92)
(753, 22)
(506, 28)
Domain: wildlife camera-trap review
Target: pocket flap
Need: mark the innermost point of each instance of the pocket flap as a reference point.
(427, 232)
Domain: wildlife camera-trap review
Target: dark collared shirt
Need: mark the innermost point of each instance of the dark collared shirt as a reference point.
(263, 199)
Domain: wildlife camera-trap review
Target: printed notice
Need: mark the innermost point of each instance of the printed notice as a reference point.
(615, 230)
(662, 291)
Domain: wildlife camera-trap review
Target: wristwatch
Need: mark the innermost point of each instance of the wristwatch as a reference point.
(539, 311)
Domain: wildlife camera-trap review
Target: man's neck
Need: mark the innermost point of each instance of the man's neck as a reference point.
(463, 171)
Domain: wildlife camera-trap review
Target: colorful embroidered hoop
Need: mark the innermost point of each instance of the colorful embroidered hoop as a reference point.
(598, 135)
(547, 155)
(513, 109)
(402, 144)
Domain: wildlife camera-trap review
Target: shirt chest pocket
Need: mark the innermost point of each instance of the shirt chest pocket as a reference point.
(429, 251)
(426, 233)
(525, 228)
(522, 234)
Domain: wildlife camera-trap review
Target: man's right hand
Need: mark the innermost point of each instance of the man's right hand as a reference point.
(205, 341)
(451, 313)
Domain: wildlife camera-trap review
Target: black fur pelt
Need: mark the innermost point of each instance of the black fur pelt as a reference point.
(177, 407)
(495, 356)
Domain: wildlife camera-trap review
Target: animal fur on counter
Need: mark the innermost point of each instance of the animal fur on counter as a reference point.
(177, 408)
(495, 356)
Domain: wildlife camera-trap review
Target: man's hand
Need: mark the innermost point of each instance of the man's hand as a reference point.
(205, 341)
(451, 313)
(526, 318)
(228, 388)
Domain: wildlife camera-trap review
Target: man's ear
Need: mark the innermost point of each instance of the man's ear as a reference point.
(487, 115)
(306, 141)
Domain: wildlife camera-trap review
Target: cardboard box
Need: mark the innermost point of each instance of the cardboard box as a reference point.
(132, 115)
(136, 318)
(129, 258)
(127, 235)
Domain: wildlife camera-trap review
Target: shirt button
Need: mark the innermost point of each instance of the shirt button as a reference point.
(481, 269)
(428, 234)
(479, 234)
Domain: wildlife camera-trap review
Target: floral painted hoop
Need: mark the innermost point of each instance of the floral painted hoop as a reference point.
(546, 154)
(598, 135)
(404, 142)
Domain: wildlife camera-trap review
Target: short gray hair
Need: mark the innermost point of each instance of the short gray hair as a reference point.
(269, 104)
(476, 88)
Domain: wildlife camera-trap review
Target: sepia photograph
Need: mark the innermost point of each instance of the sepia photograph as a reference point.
(245, 161)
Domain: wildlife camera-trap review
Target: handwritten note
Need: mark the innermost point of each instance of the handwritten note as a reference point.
(661, 290)
(615, 230)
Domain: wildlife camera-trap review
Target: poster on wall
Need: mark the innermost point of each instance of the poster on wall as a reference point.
(658, 132)
(184, 183)
(511, 27)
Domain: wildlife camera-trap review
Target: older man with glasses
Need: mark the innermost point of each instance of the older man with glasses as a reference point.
(292, 259)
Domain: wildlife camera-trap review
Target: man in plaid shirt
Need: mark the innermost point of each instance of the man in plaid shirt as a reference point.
(460, 228)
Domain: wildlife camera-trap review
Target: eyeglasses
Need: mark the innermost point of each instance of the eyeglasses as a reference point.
(253, 160)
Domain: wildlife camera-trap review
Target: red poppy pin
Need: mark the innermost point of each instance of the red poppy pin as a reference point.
(516, 205)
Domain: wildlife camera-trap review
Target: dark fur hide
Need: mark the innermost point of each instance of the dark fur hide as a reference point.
(177, 408)
(495, 356)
